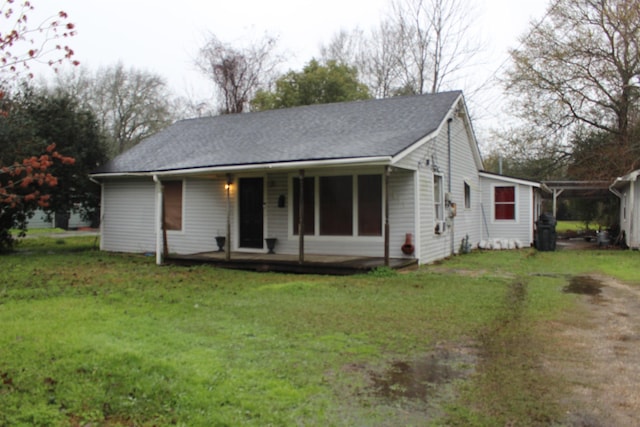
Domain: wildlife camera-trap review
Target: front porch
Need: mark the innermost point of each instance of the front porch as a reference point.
(313, 264)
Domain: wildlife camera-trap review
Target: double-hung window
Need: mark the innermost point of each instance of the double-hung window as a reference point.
(438, 201)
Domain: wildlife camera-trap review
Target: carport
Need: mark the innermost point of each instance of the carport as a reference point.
(577, 189)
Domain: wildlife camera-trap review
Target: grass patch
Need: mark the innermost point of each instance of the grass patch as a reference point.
(92, 337)
(564, 226)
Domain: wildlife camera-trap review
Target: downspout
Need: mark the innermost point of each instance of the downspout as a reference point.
(159, 204)
(386, 216)
(449, 120)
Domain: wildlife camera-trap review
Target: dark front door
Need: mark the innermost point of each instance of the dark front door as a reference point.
(251, 199)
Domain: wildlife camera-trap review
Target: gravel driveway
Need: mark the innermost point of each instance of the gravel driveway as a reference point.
(602, 361)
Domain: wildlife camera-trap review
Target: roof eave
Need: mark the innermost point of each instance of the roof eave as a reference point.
(302, 164)
(510, 179)
(623, 181)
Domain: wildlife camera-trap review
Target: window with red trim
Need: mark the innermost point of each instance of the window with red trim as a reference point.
(504, 202)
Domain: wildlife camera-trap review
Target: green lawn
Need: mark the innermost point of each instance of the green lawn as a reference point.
(91, 338)
(564, 226)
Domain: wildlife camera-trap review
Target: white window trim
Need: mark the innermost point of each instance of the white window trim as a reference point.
(440, 223)
(316, 185)
(516, 199)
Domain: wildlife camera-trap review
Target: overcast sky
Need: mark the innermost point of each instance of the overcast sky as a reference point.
(164, 36)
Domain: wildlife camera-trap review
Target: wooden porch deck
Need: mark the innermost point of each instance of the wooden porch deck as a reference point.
(313, 264)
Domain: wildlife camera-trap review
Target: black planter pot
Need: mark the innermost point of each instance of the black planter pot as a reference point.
(271, 244)
(220, 241)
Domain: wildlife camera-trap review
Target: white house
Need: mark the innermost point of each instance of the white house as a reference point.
(360, 178)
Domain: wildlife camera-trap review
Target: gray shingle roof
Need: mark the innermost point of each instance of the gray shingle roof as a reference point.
(346, 130)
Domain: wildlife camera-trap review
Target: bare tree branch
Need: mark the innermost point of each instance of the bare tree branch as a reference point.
(238, 73)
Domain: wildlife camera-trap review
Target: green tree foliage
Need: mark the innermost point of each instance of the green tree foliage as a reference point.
(315, 84)
(577, 73)
(25, 165)
(22, 190)
(36, 120)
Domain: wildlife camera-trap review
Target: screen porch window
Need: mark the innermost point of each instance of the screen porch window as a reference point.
(505, 203)
(172, 205)
(336, 205)
(345, 205)
(370, 205)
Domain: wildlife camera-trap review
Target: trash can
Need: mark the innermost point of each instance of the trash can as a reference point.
(546, 233)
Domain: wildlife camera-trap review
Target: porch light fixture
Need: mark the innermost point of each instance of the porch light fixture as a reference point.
(227, 185)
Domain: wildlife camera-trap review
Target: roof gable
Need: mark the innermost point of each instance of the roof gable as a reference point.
(350, 130)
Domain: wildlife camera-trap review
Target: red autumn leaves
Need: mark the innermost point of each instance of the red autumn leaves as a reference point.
(26, 179)
(27, 41)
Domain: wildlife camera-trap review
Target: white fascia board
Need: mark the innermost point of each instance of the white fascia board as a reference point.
(624, 180)
(398, 157)
(360, 161)
(510, 179)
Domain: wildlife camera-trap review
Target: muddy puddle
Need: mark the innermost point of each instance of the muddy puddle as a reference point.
(420, 379)
(584, 285)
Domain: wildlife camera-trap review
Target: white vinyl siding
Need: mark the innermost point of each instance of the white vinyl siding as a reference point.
(430, 159)
(520, 228)
(128, 216)
(630, 213)
(204, 218)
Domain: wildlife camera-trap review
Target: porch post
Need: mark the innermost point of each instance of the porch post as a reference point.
(301, 218)
(556, 193)
(386, 216)
(227, 245)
